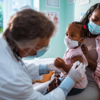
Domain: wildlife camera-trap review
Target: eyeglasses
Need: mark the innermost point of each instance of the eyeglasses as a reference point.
(45, 48)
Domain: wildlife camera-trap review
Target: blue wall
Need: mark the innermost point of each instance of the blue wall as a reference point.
(57, 46)
(70, 12)
(83, 8)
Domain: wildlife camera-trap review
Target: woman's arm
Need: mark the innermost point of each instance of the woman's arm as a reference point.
(92, 63)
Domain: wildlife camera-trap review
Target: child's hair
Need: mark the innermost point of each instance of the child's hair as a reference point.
(85, 18)
(82, 27)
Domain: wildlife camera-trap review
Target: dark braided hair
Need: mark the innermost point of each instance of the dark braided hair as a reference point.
(85, 18)
(82, 27)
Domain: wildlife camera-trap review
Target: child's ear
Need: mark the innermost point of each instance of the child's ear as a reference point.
(81, 41)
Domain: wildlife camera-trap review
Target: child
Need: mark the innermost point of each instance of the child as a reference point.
(75, 34)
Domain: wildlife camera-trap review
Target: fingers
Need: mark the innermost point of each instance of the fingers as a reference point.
(77, 63)
(84, 68)
(84, 47)
(57, 82)
(52, 85)
(81, 69)
(80, 66)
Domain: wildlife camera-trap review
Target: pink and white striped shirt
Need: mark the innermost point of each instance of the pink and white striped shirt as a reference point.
(69, 54)
(97, 71)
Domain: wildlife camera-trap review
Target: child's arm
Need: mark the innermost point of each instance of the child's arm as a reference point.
(77, 58)
(59, 63)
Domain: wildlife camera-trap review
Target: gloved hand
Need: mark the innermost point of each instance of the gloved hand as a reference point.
(51, 67)
(74, 75)
(77, 73)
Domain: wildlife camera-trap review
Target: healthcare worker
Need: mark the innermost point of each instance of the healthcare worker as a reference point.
(28, 35)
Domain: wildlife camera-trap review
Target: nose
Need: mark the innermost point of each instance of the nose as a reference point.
(98, 23)
(68, 36)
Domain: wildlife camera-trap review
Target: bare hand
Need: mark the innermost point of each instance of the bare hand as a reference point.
(55, 83)
(59, 63)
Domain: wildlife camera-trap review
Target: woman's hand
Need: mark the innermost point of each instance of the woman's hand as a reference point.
(59, 63)
(85, 52)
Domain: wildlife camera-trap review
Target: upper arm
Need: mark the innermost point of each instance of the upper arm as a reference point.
(77, 58)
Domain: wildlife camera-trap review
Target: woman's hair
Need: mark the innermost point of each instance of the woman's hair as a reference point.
(27, 25)
(82, 27)
(85, 18)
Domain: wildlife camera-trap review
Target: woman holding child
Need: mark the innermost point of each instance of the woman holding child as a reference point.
(91, 49)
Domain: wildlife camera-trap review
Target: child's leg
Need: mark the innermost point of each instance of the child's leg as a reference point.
(75, 91)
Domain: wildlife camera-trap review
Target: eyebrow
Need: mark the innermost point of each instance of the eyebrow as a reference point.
(72, 33)
(96, 17)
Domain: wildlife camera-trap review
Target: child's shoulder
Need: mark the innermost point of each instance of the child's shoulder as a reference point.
(76, 51)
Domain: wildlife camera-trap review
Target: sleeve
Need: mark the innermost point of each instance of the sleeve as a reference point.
(74, 53)
(59, 90)
(26, 92)
(61, 79)
(33, 71)
(97, 71)
(43, 69)
(67, 85)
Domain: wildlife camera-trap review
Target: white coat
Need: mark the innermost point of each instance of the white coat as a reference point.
(16, 80)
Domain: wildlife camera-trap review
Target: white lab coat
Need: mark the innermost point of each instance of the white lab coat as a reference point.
(15, 79)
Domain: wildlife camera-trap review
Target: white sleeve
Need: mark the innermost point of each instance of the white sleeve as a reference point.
(33, 71)
(21, 91)
(50, 96)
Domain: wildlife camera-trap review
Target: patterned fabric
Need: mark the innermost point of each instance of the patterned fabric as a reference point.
(96, 74)
(69, 54)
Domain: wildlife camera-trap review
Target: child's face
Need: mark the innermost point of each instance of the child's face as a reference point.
(73, 32)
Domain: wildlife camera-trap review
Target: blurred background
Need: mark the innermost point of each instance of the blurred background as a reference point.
(61, 12)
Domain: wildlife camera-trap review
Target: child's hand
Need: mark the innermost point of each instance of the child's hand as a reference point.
(59, 63)
(53, 84)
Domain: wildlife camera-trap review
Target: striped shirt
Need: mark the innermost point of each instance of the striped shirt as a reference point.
(96, 74)
(69, 54)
